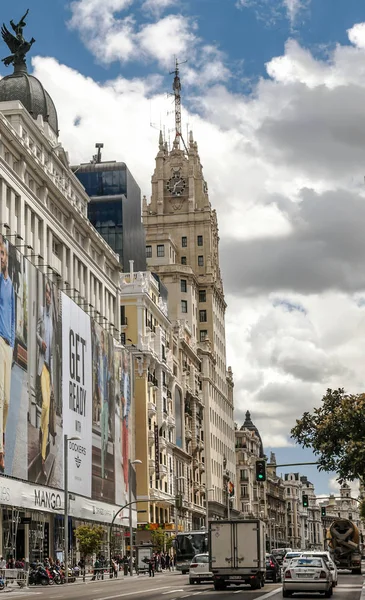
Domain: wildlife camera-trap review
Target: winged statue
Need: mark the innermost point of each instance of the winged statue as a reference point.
(16, 43)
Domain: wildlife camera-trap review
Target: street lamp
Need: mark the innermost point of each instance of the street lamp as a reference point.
(66, 439)
(130, 463)
(207, 508)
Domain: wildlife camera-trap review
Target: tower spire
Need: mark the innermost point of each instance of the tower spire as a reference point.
(176, 87)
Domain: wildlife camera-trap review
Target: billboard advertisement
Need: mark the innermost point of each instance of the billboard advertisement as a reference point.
(60, 373)
(77, 394)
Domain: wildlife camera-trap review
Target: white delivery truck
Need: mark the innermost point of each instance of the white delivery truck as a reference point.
(237, 553)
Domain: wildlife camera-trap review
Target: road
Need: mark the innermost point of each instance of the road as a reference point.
(173, 586)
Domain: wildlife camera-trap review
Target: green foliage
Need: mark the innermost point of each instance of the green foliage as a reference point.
(89, 538)
(336, 433)
(161, 540)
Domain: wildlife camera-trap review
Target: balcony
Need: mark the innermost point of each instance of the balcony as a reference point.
(151, 465)
(162, 442)
(196, 486)
(151, 437)
(188, 434)
(163, 470)
(200, 444)
(195, 463)
(152, 409)
(171, 421)
(201, 467)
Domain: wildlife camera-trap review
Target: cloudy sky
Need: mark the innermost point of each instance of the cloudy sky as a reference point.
(274, 91)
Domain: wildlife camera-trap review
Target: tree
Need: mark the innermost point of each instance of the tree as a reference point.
(160, 540)
(89, 538)
(336, 433)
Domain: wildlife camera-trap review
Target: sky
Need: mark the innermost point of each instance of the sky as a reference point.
(274, 91)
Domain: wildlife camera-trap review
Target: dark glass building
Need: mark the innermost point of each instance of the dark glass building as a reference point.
(115, 209)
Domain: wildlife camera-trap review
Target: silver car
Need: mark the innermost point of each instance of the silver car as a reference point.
(199, 569)
(307, 575)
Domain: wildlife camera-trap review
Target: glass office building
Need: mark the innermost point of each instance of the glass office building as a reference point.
(115, 209)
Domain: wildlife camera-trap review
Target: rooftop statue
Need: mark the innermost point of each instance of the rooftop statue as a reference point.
(16, 44)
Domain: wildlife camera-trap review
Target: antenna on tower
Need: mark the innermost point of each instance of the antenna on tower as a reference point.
(176, 86)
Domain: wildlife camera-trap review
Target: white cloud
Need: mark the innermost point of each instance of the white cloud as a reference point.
(170, 36)
(271, 11)
(156, 7)
(285, 170)
(113, 34)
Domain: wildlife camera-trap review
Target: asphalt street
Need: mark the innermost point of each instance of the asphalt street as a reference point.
(173, 586)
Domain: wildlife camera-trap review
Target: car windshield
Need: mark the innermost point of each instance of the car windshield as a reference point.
(201, 558)
(307, 562)
(291, 555)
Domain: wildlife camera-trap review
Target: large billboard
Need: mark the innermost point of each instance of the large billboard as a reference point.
(77, 394)
(60, 373)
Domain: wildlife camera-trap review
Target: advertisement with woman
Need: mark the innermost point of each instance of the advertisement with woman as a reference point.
(122, 415)
(103, 422)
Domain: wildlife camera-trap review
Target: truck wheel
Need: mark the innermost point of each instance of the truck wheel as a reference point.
(286, 594)
(219, 585)
(191, 581)
(329, 593)
(256, 584)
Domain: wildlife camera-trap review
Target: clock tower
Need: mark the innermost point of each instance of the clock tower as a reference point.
(182, 248)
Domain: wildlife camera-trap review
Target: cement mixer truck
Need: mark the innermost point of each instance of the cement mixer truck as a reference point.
(343, 543)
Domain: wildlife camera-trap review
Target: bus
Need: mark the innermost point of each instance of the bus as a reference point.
(187, 545)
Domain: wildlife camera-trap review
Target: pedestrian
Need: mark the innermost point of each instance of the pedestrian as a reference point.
(151, 566)
(167, 562)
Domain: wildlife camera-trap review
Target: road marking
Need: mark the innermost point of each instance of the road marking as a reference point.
(272, 593)
(171, 592)
(130, 594)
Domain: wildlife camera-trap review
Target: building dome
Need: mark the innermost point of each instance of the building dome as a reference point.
(251, 427)
(31, 93)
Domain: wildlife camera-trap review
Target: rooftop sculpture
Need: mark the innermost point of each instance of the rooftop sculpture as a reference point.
(16, 44)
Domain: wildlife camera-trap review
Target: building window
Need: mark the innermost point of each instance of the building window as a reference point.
(183, 285)
(183, 260)
(122, 339)
(160, 250)
(148, 251)
(202, 295)
(200, 260)
(200, 240)
(203, 335)
(184, 241)
(184, 306)
(203, 316)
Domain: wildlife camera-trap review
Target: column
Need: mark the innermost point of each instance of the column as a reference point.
(3, 218)
(11, 195)
(21, 221)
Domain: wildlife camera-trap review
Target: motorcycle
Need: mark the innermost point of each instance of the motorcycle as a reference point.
(39, 576)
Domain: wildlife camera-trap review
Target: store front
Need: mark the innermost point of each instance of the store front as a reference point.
(32, 522)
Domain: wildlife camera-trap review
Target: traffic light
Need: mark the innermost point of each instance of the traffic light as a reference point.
(260, 470)
(323, 511)
(305, 501)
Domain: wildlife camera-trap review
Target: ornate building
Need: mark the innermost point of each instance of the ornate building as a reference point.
(182, 248)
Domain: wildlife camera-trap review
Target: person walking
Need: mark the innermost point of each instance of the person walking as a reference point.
(151, 566)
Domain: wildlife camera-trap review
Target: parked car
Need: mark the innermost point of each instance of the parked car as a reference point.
(273, 569)
(307, 574)
(288, 557)
(199, 569)
(327, 557)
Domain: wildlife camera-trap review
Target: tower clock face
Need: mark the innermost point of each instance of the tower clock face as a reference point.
(176, 185)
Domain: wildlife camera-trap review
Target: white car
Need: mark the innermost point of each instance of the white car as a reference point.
(327, 557)
(288, 558)
(307, 574)
(199, 569)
